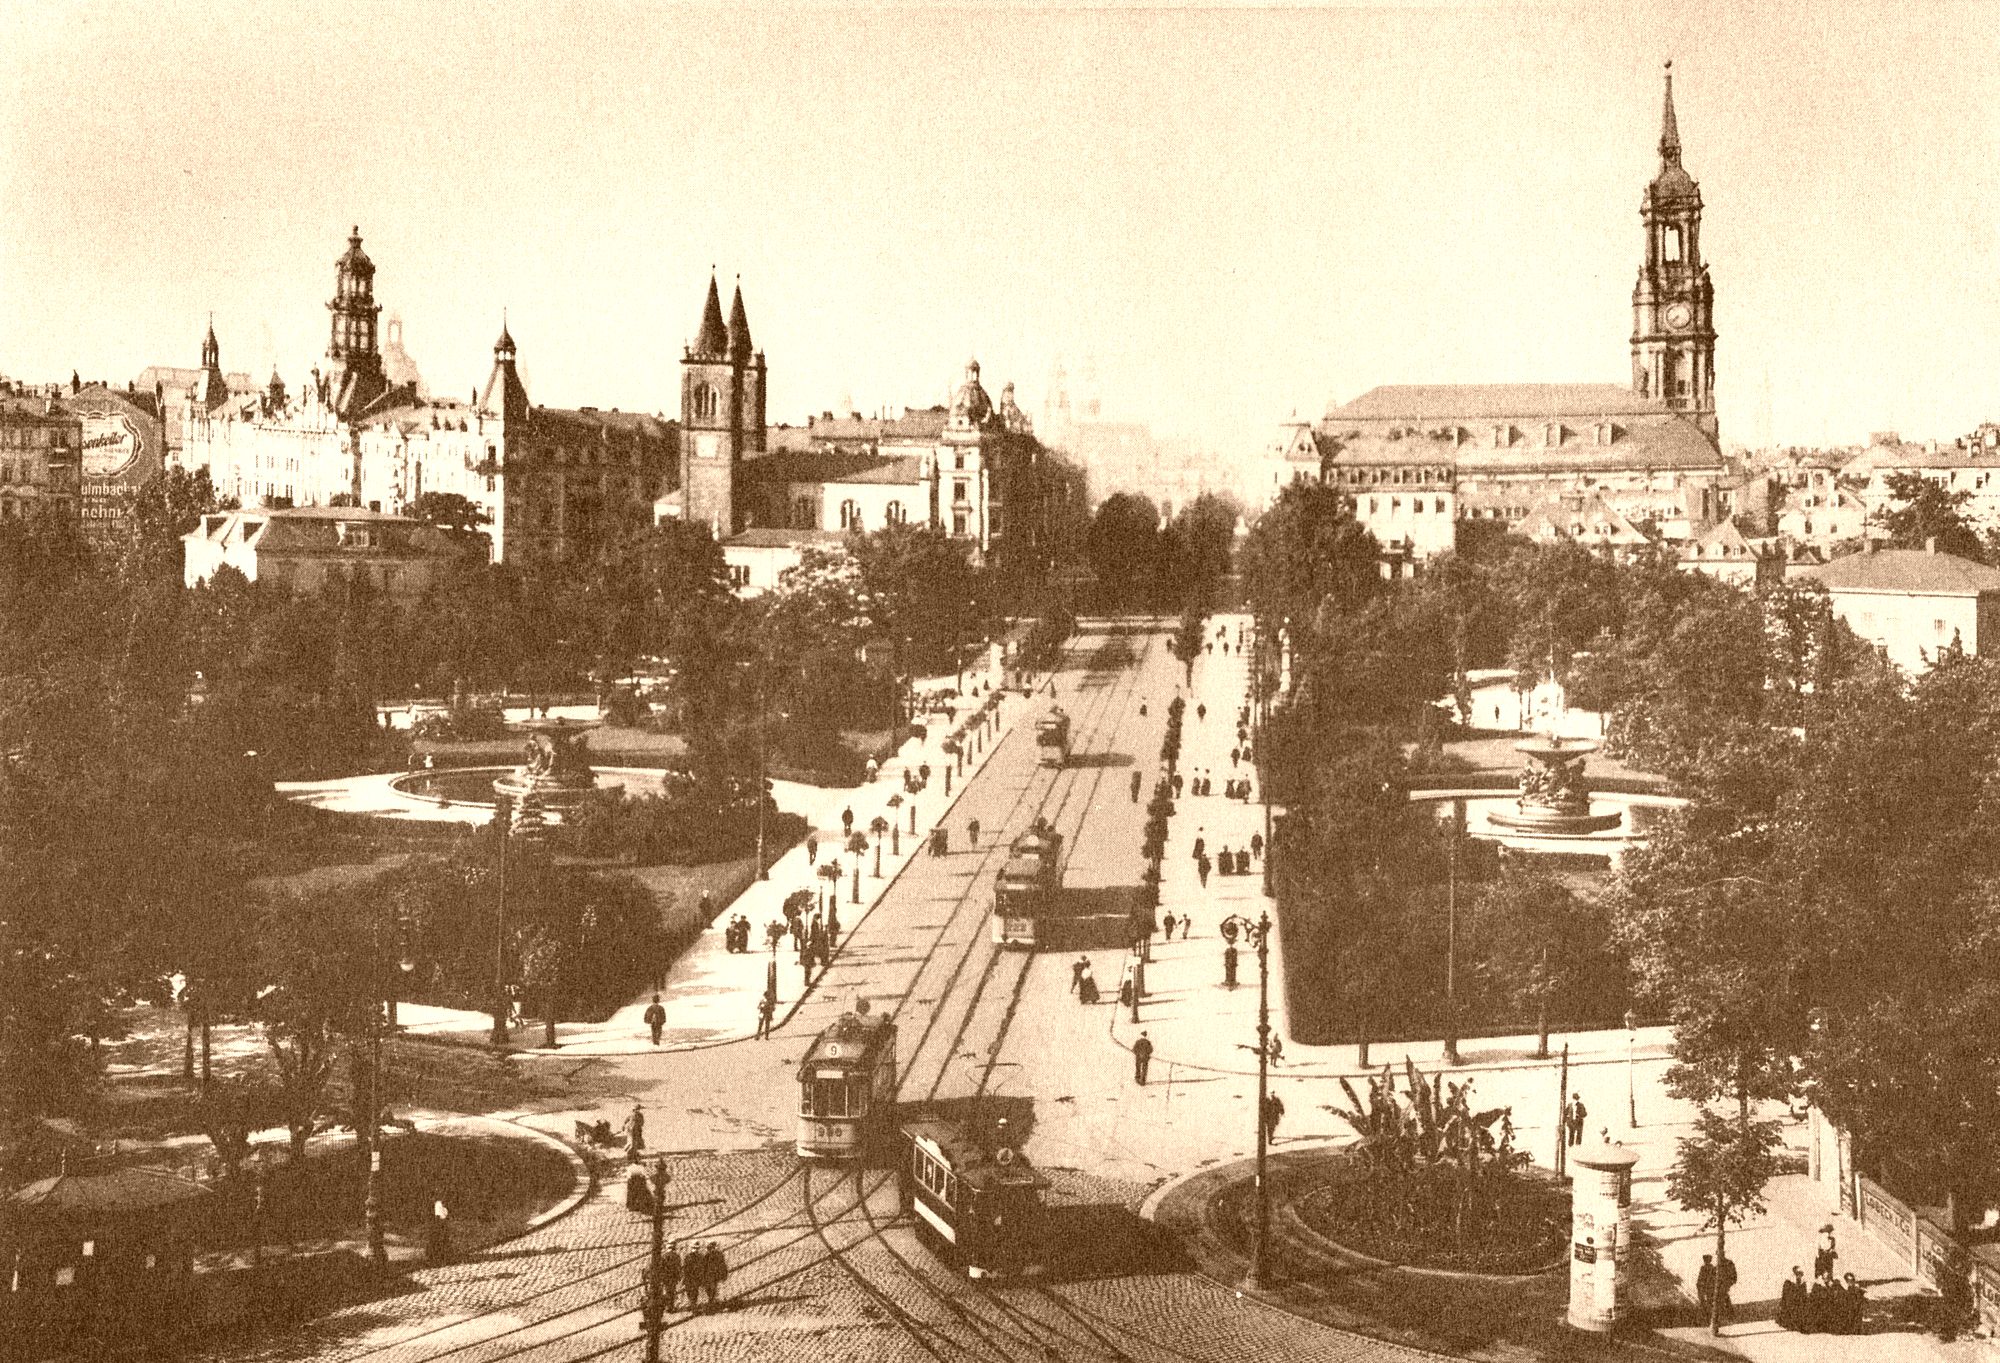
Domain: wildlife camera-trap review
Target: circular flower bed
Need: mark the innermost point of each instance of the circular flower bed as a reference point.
(1519, 1224)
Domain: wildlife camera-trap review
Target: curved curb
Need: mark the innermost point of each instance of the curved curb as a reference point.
(585, 1177)
(1419, 1269)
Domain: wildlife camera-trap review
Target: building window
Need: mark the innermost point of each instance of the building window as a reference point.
(1670, 245)
(960, 492)
(894, 514)
(850, 515)
(739, 575)
(958, 521)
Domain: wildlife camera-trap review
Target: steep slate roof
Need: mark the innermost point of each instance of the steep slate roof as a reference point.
(1721, 542)
(713, 338)
(812, 466)
(1913, 572)
(1487, 401)
(1601, 523)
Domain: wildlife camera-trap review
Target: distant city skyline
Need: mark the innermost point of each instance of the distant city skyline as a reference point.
(1239, 215)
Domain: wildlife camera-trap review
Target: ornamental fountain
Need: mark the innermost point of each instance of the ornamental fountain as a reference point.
(1554, 801)
(555, 778)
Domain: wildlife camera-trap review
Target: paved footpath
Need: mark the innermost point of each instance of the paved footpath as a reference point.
(1203, 1082)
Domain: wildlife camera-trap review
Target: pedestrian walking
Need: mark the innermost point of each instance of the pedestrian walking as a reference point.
(714, 1268)
(1704, 1283)
(1235, 755)
(1257, 844)
(1825, 1255)
(972, 831)
(437, 1234)
(1142, 1058)
(812, 849)
(1135, 787)
(924, 772)
(1177, 785)
(833, 924)
(1076, 974)
(1201, 710)
(1725, 1280)
(1187, 925)
(692, 1264)
(1274, 1111)
(874, 768)
(1170, 920)
(766, 1008)
(1201, 869)
(635, 1133)
(1200, 845)
(656, 1019)
(1792, 1301)
(670, 1276)
(1577, 1112)
(1274, 1049)
(1086, 986)
(847, 822)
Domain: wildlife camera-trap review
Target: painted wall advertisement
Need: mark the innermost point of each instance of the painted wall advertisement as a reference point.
(121, 450)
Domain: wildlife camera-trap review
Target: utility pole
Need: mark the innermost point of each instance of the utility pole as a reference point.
(504, 815)
(653, 1304)
(366, 1126)
(1260, 1265)
(1562, 1117)
(1451, 938)
(763, 780)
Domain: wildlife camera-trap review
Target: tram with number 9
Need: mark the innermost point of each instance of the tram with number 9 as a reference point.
(979, 1210)
(847, 1087)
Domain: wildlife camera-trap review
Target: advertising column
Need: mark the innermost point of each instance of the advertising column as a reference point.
(1600, 1234)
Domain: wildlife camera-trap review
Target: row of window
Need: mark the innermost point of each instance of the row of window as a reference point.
(934, 1176)
(1396, 505)
(843, 1096)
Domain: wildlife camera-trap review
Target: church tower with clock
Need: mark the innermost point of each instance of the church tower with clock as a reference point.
(1673, 304)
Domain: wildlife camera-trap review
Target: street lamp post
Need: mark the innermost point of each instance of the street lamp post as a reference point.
(1631, 1067)
(1261, 930)
(1453, 828)
(763, 780)
(503, 814)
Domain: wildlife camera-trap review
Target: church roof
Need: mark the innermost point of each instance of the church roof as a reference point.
(739, 328)
(1913, 572)
(713, 338)
(354, 260)
(1486, 401)
(812, 466)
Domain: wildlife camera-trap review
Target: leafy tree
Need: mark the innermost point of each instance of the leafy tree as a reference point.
(1196, 547)
(447, 511)
(319, 963)
(929, 597)
(1307, 556)
(1720, 1171)
(168, 505)
(1543, 947)
(1124, 550)
(1923, 511)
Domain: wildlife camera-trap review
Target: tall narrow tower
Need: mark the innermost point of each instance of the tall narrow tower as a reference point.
(354, 372)
(722, 412)
(1673, 304)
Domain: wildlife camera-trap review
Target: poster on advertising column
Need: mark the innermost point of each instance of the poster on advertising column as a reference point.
(121, 450)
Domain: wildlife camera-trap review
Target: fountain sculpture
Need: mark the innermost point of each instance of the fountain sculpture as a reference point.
(557, 775)
(1554, 801)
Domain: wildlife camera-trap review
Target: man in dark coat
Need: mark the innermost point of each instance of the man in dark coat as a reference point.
(1704, 1283)
(1142, 1058)
(691, 1275)
(656, 1018)
(1792, 1300)
(714, 1268)
(670, 1276)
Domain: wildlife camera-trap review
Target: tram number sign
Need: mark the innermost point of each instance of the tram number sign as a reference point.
(833, 1050)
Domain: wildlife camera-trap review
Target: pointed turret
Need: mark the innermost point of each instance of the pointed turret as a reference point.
(211, 353)
(505, 396)
(713, 338)
(739, 328)
(1670, 130)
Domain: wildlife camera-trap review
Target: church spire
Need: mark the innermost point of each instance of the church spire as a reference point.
(713, 338)
(739, 327)
(1670, 131)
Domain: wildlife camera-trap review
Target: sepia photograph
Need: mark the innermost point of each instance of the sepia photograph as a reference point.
(1000, 683)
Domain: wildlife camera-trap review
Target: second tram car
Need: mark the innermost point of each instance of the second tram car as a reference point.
(847, 1087)
(1028, 886)
(1052, 738)
(981, 1210)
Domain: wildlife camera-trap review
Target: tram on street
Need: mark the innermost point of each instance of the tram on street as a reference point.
(1052, 738)
(1028, 886)
(978, 1209)
(847, 1087)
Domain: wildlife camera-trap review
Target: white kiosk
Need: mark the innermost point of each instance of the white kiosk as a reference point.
(1600, 1234)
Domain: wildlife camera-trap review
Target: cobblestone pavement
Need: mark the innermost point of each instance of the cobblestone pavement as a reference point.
(822, 1266)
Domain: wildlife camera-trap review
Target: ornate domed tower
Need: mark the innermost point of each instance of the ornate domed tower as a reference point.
(1673, 322)
(354, 369)
(722, 412)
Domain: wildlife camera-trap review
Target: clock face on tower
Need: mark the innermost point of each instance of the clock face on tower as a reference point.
(1679, 315)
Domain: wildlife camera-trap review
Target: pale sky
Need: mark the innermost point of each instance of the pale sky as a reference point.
(1239, 214)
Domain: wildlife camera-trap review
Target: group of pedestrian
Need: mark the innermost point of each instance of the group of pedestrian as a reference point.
(736, 937)
(1082, 983)
(1232, 863)
(697, 1269)
(1185, 922)
(1830, 1305)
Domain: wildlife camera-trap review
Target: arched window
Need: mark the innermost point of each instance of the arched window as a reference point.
(850, 515)
(894, 513)
(1670, 245)
(707, 402)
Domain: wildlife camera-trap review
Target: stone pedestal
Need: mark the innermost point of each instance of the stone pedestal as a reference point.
(1600, 1235)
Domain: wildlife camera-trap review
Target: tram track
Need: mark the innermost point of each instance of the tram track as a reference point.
(1068, 780)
